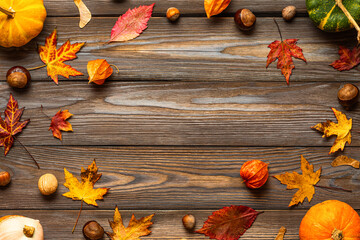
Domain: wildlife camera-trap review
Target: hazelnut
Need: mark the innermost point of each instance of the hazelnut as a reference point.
(47, 184)
(18, 77)
(288, 13)
(348, 95)
(244, 19)
(189, 222)
(173, 14)
(93, 231)
(5, 178)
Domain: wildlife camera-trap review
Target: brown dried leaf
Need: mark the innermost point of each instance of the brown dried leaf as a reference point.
(281, 234)
(344, 160)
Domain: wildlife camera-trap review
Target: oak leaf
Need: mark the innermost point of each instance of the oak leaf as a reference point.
(54, 58)
(85, 14)
(281, 234)
(11, 125)
(348, 59)
(305, 182)
(345, 160)
(59, 123)
(215, 7)
(229, 223)
(131, 24)
(99, 70)
(340, 129)
(84, 190)
(284, 51)
(135, 229)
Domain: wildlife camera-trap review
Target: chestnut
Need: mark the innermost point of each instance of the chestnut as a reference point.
(348, 95)
(5, 178)
(173, 14)
(18, 77)
(93, 230)
(244, 19)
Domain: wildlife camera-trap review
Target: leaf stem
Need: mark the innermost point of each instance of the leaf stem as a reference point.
(45, 113)
(333, 188)
(82, 202)
(10, 12)
(348, 15)
(27, 151)
(34, 68)
(117, 69)
(277, 25)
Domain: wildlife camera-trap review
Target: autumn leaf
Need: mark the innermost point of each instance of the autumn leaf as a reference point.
(229, 223)
(54, 58)
(59, 123)
(135, 229)
(344, 160)
(99, 70)
(284, 51)
(84, 191)
(85, 14)
(215, 7)
(348, 59)
(305, 182)
(281, 234)
(341, 129)
(131, 24)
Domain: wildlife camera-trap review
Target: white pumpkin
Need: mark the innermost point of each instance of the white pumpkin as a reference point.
(14, 227)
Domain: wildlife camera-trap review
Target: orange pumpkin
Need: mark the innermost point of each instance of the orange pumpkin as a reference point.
(330, 220)
(20, 21)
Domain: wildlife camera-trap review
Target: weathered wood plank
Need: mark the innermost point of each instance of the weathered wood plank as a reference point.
(173, 177)
(182, 113)
(194, 49)
(116, 8)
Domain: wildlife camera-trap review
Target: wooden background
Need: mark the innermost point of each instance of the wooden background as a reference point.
(192, 102)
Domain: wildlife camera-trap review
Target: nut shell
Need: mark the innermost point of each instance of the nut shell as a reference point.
(189, 222)
(47, 184)
(93, 230)
(244, 19)
(348, 95)
(288, 13)
(18, 77)
(173, 14)
(5, 178)
(254, 173)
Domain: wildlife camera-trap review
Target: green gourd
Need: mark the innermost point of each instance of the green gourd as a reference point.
(329, 15)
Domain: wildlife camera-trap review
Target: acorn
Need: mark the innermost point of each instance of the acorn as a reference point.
(93, 230)
(18, 77)
(244, 19)
(189, 222)
(5, 178)
(348, 95)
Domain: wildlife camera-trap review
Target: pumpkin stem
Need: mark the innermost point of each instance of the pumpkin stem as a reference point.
(10, 12)
(351, 19)
(28, 231)
(337, 235)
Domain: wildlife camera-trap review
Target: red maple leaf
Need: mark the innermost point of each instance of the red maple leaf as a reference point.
(58, 122)
(12, 125)
(348, 59)
(284, 51)
(229, 223)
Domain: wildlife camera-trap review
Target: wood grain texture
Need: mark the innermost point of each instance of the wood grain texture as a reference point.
(173, 177)
(193, 49)
(182, 113)
(118, 7)
(167, 224)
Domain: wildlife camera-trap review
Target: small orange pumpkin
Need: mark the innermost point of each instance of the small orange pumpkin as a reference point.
(20, 21)
(330, 220)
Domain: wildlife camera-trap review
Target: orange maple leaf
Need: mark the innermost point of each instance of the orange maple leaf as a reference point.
(284, 51)
(54, 58)
(12, 125)
(99, 70)
(305, 182)
(58, 122)
(215, 7)
(84, 191)
(135, 229)
(341, 129)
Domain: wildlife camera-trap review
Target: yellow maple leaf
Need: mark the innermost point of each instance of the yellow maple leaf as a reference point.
(340, 129)
(84, 191)
(135, 229)
(305, 182)
(54, 58)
